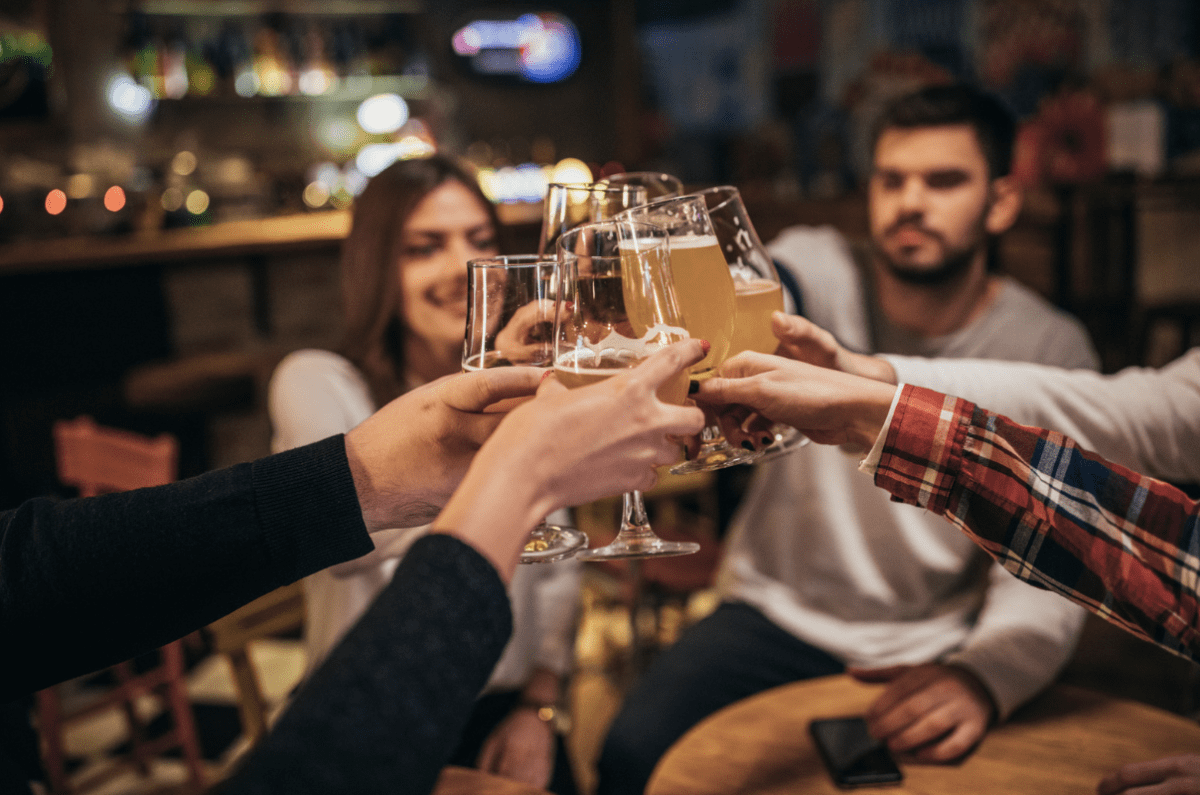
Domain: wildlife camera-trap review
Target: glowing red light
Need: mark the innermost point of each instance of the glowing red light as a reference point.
(1, 204)
(56, 202)
(114, 198)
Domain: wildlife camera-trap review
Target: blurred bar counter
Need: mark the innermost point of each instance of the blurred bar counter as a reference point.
(292, 233)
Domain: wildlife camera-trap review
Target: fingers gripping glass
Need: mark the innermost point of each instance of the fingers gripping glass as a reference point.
(570, 205)
(616, 306)
(757, 293)
(510, 322)
(706, 299)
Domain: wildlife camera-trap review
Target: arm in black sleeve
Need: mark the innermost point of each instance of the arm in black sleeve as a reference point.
(386, 709)
(88, 583)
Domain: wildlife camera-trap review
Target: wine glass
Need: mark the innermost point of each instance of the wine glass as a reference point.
(616, 306)
(658, 185)
(569, 205)
(704, 286)
(510, 322)
(757, 292)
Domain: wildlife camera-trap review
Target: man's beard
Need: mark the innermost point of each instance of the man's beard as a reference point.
(953, 266)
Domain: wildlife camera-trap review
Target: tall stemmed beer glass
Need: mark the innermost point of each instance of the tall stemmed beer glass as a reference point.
(510, 322)
(757, 292)
(569, 205)
(706, 300)
(616, 306)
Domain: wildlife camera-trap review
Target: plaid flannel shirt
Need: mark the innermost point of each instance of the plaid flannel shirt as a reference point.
(1123, 545)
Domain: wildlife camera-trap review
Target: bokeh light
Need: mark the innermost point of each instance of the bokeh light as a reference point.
(56, 201)
(570, 170)
(183, 163)
(316, 194)
(114, 198)
(382, 113)
(373, 158)
(196, 202)
(129, 99)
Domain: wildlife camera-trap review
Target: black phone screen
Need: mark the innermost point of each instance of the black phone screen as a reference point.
(854, 758)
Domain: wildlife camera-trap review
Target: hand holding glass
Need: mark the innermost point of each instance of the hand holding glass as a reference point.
(510, 322)
(757, 292)
(616, 306)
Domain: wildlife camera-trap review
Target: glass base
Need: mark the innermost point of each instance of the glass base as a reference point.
(652, 547)
(787, 439)
(716, 455)
(548, 543)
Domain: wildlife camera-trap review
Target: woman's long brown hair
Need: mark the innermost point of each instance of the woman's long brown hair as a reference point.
(374, 330)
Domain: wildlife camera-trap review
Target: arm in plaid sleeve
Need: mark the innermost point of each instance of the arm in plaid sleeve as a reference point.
(1123, 545)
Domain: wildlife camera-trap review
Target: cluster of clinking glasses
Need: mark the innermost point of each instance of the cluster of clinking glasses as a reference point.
(624, 267)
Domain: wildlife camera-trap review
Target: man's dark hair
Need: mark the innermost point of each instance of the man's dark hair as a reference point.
(938, 106)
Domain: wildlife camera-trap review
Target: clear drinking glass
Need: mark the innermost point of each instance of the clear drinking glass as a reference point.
(569, 205)
(657, 184)
(510, 322)
(757, 292)
(706, 298)
(616, 306)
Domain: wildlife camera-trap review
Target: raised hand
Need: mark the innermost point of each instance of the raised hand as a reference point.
(830, 407)
(804, 341)
(409, 456)
(569, 447)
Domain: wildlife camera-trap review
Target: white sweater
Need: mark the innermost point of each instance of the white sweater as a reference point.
(1144, 419)
(826, 556)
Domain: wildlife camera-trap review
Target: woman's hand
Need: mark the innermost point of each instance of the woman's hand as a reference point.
(569, 447)
(528, 334)
(830, 407)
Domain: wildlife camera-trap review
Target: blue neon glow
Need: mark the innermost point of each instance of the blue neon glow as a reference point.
(540, 48)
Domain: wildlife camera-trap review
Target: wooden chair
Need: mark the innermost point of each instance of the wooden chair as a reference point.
(98, 460)
(278, 612)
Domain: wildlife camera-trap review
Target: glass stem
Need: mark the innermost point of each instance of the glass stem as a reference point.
(634, 522)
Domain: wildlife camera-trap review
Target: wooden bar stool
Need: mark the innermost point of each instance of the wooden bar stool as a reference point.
(98, 460)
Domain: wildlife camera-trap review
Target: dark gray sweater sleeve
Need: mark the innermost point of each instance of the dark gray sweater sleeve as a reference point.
(88, 583)
(386, 709)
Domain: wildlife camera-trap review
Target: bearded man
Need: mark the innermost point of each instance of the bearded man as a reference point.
(823, 574)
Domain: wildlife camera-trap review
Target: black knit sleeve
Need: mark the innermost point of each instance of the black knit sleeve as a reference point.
(385, 710)
(88, 583)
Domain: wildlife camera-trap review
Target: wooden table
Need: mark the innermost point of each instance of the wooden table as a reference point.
(1063, 742)
(467, 781)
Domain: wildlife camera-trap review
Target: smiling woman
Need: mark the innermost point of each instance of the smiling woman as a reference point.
(404, 293)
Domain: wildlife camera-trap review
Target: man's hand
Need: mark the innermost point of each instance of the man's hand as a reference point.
(830, 407)
(1174, 775)
(932, 712)
(409, 456)
(520, 748)
(807, 342)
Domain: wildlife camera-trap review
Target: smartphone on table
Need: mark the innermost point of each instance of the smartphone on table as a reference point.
(852, 756)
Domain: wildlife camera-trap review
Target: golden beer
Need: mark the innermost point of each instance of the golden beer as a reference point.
(704, 289)
(755, 301)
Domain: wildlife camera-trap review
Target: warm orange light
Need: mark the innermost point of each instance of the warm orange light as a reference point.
(114, 198)
(56, 201)
(1, 204)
